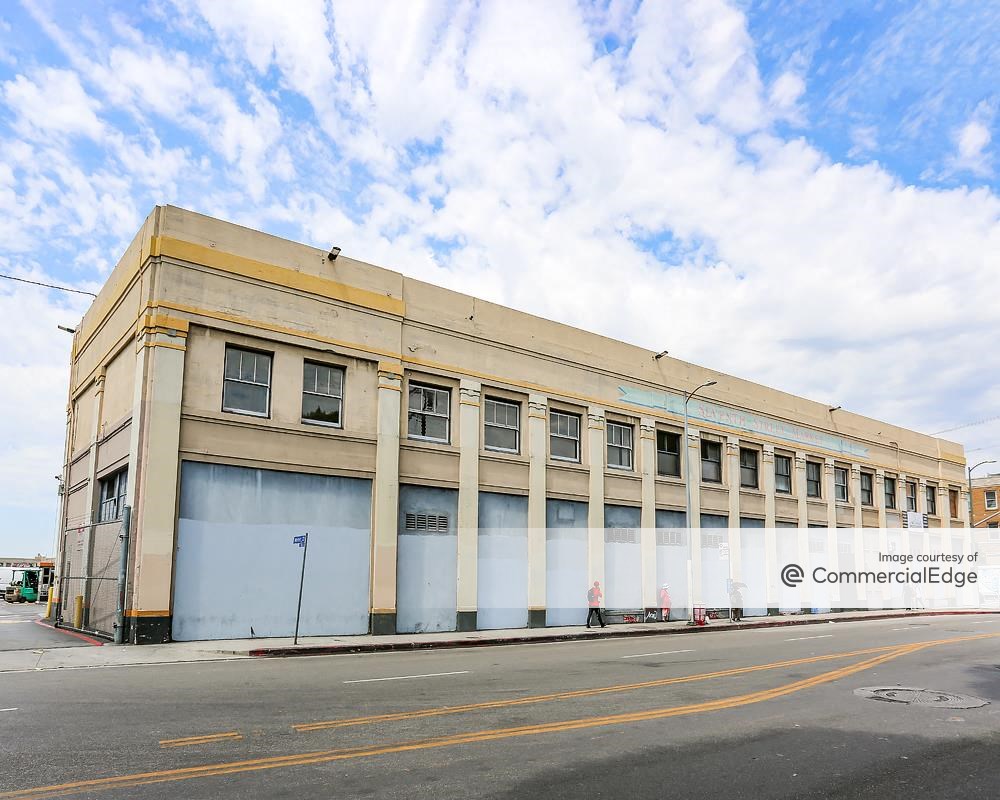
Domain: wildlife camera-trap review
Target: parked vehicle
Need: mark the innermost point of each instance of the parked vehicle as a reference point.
(23, 589)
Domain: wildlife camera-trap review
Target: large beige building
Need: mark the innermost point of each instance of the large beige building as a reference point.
(456, 464)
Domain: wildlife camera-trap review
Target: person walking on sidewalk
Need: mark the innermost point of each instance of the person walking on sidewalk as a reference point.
(594, 597)
(665, 603)
(736, 601)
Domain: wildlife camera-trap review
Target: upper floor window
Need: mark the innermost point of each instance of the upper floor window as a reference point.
(111, 504)
(322, 394)
(668, 453)
(953, 503)
(564, 436)
(748, 468)
(930, 492)
(429, 413)
(911, 496)
(246, 388)
(711, 461)
(867, 495)
(783, 474)
(814, 481)
(890, 493)
(619, 445)
(502, 421)
(991, 499)
(840, 483)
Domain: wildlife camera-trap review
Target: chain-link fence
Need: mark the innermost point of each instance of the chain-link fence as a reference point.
(88, 586)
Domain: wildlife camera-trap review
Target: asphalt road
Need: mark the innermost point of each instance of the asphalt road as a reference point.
(748, 714)
(21, 630)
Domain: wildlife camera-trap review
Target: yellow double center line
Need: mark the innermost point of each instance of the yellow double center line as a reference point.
(326, 756)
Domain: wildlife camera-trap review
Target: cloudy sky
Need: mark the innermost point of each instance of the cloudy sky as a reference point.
(803, 194)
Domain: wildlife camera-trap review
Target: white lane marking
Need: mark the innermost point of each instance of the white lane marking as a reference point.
(907, 628)
(7, 709)
(667, 653)
(407, 677)
(982, 622)
(803, 638)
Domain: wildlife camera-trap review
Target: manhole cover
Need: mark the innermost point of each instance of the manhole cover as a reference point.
(912, 696)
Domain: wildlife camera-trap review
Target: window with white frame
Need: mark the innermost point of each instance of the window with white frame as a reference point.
(564, 436)
(911, 496)
(867, 493)
(246, 387)
(668, 453)
(111, 502)
(502, 425)
(814, 482)
(840, 483)
(748, 468)
(711, 461)
(619, 445)
(890, 493)
(782, 474)
(930, 492)
(322, 394)
(991, 499)
(428, 413)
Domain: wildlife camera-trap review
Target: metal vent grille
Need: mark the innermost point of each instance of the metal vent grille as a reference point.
(426, 522)
(670, 538)
(621, 535)
(712, 539)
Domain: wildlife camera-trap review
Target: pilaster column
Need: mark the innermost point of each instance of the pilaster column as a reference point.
(154, 464)
(922, 509)
(595, 508)
(855, 495)
(733, 479)
(901, 481)
(385, 499)
(87, 556)
(770, 538)
(468, 503)
(802, 533)
(944, 505)
(692, 471)
(647, 532)
(537, 458)
(883, 534)
(832, 546)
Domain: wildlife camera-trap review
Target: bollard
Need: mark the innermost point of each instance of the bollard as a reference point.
(78, 611)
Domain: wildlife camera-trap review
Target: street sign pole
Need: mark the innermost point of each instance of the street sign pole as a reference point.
(303, 542)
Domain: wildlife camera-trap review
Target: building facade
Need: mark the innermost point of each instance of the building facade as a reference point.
(986, 513)
(455, 464)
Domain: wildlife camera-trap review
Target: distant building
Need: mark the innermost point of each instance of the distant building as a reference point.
(986, 511)
(456, 464)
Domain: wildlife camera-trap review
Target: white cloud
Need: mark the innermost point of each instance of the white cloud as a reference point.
(53, 102)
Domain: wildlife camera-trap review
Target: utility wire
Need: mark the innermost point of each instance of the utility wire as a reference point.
(47, 285)
(966, 425)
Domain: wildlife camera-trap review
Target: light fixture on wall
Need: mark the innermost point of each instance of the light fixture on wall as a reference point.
(660, 355)
(834, 408)
(334, 252)
(64, 328)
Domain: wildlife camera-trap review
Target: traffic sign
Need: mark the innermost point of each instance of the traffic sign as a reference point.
(300, 541)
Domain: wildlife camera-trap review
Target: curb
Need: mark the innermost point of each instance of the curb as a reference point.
(71, 632)
(450, 644)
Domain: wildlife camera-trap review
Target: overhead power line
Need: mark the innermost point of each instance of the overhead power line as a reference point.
(966, 425)
(47, 285)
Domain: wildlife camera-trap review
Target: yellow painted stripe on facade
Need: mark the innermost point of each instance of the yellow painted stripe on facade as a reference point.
(328, 756)
(168, 345)
(132, 612)
(538, 388)
(280, 276)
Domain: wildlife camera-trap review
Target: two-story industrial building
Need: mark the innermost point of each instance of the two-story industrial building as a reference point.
(455, 464)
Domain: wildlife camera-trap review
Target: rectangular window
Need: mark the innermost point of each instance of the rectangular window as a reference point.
(322, 394)
(668, 453)
(619, 445)
(564, 436)
(711, 461)
(112, 498)
(429, 413)
(783, 474)
(953, 503)
(814, 479)
(930, 492)
(840, 483)
(911, 496)
(890, 493)
(748, 468)
(502, 426)
(991, 499)
(246, 387)
(867, 495)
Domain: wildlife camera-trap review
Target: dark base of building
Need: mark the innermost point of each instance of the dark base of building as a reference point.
(147, 630)
(383, 623)
(465, 621)
(773, 611)
(536, 618)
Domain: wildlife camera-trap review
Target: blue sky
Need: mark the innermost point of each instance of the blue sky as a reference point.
(802, 194)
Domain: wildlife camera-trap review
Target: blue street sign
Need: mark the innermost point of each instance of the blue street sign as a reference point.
(300, 541)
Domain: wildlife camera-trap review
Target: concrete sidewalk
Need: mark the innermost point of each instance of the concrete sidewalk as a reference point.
(109, 655)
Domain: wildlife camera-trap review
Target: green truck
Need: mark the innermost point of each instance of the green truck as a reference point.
(23, 587)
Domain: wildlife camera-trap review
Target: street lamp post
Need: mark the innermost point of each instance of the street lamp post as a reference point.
(687, 497)
(976, 466)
